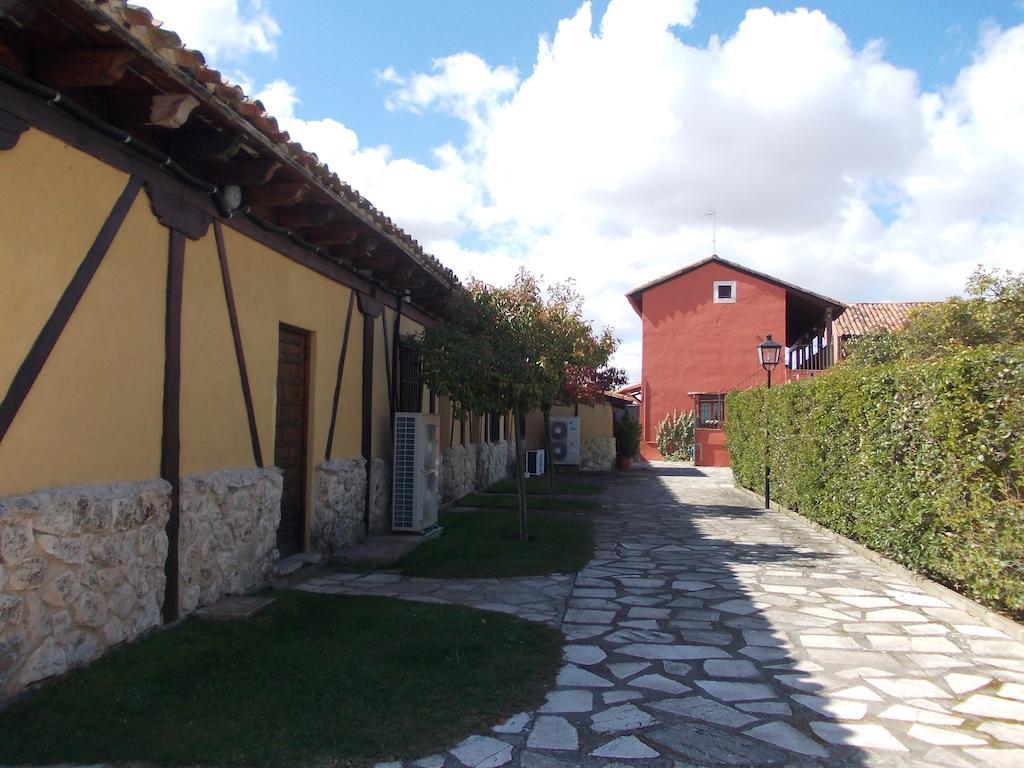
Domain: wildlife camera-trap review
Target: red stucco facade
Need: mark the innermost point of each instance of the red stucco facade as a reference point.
(693, 344)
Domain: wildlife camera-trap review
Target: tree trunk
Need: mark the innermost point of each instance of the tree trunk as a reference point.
(520, 470)
(549, 466)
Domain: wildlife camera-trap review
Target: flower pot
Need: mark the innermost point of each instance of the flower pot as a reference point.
(623, 462)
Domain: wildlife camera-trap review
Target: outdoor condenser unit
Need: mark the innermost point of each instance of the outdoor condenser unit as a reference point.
(534, 463)
(416, 482)
(565, 439)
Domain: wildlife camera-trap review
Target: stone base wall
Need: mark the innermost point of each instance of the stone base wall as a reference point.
(81, 569)
(380, 496)
(469, 468)
(597, 454)
(340, 500)
(228, 535)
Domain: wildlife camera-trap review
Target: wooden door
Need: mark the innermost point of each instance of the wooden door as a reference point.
(290, 436)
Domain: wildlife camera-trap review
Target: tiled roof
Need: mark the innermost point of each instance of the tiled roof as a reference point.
(116, 25)
(139, 22)
(864, 317)
(636, 295)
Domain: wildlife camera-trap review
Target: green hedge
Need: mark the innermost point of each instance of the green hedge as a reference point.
(921, 461)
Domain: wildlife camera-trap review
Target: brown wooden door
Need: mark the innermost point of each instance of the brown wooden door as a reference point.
(290, 436)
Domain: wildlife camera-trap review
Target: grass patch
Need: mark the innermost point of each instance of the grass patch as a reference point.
(315, 680)
(486, 544)
(548, 503)
(539, 485)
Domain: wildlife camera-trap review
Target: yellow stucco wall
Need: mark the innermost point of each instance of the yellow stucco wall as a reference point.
(381, 365)
(214, 426)
(94, 414)
(595, 421)
(269, 290)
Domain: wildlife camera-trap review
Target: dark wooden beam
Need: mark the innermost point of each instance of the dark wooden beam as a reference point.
(170, 443)
(243, 172)
(429, 298)
(341, 373)
(171, 110)
(367, 415)
(307, 216)
(361, 249)
(177, 213)
(276, 194)
(403, 272)
(415, 280)
(184, 146)
(82, 67)
(13, 57)
(141, 114)
(42, 116)
(11, 128)
(376, 261)
(337, 232)
(236, 335)
(38, 354)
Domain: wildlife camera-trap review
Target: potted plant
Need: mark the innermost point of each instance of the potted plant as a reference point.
(627, 441)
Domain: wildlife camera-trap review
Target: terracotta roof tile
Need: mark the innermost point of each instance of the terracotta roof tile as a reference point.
(864, 317)
(140, 24)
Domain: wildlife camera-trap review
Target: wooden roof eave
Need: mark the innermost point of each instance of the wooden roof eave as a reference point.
(278, 152)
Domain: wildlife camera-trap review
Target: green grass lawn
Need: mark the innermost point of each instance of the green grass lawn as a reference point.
(486, 544)
(549, 503)
(539, 485)
(317, 680)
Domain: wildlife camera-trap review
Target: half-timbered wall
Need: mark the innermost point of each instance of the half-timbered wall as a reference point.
(93, 415)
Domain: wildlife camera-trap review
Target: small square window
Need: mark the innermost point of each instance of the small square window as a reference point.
(725, 292)
(710, 411)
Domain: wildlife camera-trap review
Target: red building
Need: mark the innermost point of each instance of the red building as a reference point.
(701, 328)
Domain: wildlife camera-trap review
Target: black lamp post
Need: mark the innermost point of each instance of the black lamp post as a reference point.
(768, 354)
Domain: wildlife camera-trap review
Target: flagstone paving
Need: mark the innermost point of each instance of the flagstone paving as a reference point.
(706, 632)
(537, 598)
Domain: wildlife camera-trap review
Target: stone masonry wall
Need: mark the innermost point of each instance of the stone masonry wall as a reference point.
(81, 569)
(340, 499)
(228, 538)
(380, 496)
(597, 454)
(468, 468)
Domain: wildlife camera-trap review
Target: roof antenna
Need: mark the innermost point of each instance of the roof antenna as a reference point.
(714, 230)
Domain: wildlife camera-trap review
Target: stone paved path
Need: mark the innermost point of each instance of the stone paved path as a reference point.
(707, 633)
(537, 598)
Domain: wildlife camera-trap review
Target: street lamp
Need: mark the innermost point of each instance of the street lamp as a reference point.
(768, 354)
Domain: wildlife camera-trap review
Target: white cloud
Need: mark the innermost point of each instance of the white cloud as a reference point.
(429, 202)
(462, 85)
(224, 30)
(827, 165)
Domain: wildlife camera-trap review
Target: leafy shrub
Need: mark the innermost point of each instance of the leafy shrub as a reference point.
(991, 313)
(921, 460)
(627, 436)
(675, 436)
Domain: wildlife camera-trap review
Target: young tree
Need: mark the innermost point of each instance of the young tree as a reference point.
(486, 357)
(574, 358)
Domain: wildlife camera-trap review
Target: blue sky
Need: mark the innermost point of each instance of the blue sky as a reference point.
(868, 150)
(334, 49)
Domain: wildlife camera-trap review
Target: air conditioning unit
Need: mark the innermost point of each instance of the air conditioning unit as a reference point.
(534, 463)
(565, 439)
(416, 479)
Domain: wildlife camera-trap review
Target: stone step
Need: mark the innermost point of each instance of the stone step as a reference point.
(235, 608)
(385, 550)
(289, 565)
